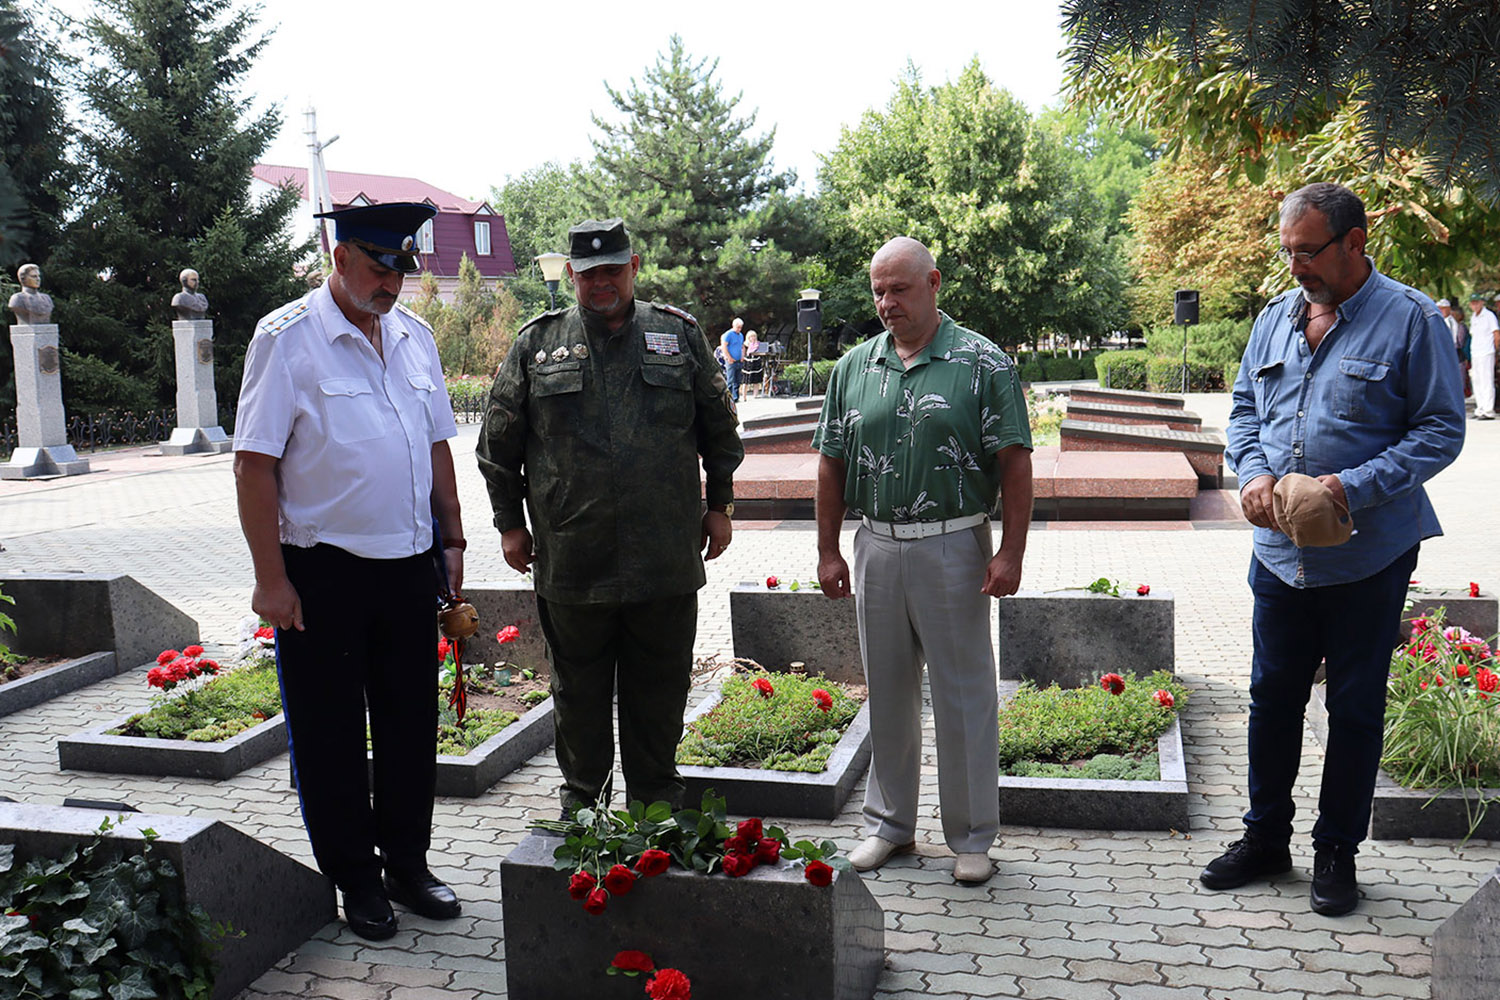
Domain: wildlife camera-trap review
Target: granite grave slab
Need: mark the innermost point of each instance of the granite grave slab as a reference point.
(776, 628)
(1072, 636)
(75, 614)
(67, 676)
(96, 749)
(1465, 962)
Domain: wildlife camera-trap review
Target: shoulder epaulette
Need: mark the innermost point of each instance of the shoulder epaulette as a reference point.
(680, 313)
(1429, 308)
(406, 311)
(293, 314)
(1280, 297)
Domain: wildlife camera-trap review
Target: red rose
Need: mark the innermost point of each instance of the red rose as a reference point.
(1113, 683)
(1164, 699)
(750, 829)
(1486, 679)
(596, 901)
(167, 656)
(633, 961)
(818, 873)
(194, 650)
(580, 885)
(509, 633)
(736, 864)
(769, 851)
(619, 880)
(1461, 670)
(823, 698)
(738, 845)
(669, 984)
(1473, 589)
(772, 583)
(1143, 590)
(763, 686)
(653, 862)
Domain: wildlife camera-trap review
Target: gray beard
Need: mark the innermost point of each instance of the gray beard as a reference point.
(1318, 298)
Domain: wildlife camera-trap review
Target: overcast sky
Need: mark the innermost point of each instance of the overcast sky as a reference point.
(462, 93)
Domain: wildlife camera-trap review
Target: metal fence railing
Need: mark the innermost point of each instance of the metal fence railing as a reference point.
(93, 431)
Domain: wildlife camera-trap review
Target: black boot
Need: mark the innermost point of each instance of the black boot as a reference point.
(1249, 858)
(369, 912)
(421, 893)
(1334, 889)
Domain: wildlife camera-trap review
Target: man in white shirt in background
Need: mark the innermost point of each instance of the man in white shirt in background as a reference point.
(1485, 333)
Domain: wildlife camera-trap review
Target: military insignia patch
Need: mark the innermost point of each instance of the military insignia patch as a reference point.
(561, 354)
(580, 351)
(541, 356)
(662, 343)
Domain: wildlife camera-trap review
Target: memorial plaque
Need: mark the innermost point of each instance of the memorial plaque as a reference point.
(205, 352)
(48, 360)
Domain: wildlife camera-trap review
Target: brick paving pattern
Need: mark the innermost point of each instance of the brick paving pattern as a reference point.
(1072, 915)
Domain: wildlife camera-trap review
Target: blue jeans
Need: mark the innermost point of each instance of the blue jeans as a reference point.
(732, 376)
(1353, 627)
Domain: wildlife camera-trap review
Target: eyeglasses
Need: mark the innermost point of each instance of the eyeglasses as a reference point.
(1306, 256)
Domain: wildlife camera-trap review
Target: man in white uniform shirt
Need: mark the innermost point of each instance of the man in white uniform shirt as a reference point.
(1484, 334)
(342, 468)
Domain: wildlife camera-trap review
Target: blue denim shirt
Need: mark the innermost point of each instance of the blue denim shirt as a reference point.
(1379, 404)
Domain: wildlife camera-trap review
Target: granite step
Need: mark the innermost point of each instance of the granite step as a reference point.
(1116, 413)
(1203, 450)
(1125, 397)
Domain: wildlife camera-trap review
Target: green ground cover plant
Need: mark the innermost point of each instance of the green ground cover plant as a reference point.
(1442, 715)
(223, 707)
(479, 724)
(90, 924)
(776, 721)
(1121, 716)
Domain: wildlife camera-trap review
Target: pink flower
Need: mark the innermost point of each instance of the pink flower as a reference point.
(823, 698)
(509, 633)
(1113, 683)
(1164, 698)
(763, 686)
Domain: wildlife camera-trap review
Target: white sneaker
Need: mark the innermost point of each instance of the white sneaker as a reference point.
(876, 851)
(972, 868)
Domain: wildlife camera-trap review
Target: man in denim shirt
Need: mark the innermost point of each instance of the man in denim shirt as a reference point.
(1353, 381)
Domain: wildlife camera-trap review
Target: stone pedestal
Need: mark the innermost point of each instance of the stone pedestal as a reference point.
(771, 935)
(41, 423)
(1465, 964)
(197, 427)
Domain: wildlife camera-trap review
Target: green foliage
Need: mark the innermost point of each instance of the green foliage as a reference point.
(167, 153)
(796, 375)
(1065, 725)
(539, 206)
(1442, 715)
(1104, 767)
(90, 923)
(224, 706)
(93, 385)
(479, 725)
(35, 177)
(784, 732)
(719, 232)
(1122, 369)
(7, 624)
(1114, 157)
(1018, 235)
(1165, 375)
(474, 333)
(1219, 342)
(1031, 370)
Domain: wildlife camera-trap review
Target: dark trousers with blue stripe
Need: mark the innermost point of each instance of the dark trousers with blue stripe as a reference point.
(371, 638)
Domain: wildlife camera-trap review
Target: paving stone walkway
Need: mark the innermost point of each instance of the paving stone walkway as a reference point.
(1072, 915)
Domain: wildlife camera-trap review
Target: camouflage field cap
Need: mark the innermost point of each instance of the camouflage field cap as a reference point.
(595, 242)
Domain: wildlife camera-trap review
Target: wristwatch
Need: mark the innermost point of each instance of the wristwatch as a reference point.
(727, 509)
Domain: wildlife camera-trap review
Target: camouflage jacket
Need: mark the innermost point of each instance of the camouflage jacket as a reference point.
(600, 434)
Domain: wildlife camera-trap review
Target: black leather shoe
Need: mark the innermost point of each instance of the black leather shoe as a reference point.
(1334, 889)
(369, 913)
(420, 892)
(1247, 859)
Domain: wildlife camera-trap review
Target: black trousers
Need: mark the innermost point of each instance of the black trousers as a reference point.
(370, 639)
(647, 648)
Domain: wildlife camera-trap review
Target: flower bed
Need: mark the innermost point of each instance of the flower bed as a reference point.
(1440, 767)
(1121, 718)
(60, 678)
(811, 755)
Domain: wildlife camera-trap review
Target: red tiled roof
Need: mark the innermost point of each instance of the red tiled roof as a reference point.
(346, 187)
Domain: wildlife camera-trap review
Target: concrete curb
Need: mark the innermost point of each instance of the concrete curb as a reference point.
(96, 750)
(61, 679)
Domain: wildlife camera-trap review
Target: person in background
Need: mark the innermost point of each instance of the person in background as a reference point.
(1484, 340)
(753, 368)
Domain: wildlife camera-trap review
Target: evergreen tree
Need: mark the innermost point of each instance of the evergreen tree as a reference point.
(34, 176)
(168, 150)
(705, 209)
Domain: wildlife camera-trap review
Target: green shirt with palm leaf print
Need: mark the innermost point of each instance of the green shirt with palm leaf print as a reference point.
(919, 443)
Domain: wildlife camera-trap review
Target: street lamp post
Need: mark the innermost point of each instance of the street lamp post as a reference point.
(552, 273)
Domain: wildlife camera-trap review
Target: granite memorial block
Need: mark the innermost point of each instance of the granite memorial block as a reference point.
(1476, 615)
(1465, 961)
(779, 627)
(70, 675)
(1071, 637)
(74, 614)
(97, 749)
(771, 934)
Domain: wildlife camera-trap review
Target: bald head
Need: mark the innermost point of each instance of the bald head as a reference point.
(904, 280)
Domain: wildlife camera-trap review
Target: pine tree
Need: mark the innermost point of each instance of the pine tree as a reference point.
(168, 150)
(34, 176)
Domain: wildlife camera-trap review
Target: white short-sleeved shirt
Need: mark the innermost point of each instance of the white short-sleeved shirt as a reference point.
(353, 435)
(1482, 329)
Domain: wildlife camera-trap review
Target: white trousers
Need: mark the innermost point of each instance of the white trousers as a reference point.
(919, 601)
(1482, 374)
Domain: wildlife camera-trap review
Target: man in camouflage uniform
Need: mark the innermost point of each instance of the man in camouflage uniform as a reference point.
(597, 420)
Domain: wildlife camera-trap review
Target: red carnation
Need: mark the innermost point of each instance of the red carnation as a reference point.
(669, 984)
(1473, 589)
(1113, 683)
(194, 650)
(1486, 679)
(818, 873)
(736, 864)
(772, 583)
(167, 656)
(1143, 590)
(156, 677)
(580, 885)
(1418, 626)
(265, 632)
(823, 698)
(769, 851)
(1164, 698)
(442, 649)
(596, 901)
(653, 862)
(763, 686)
(208, 666)
(633, 961)
(509, 633)
(750, 829)
(619, 880)
(1461, 670)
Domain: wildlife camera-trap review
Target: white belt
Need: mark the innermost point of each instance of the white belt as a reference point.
(924, 529)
